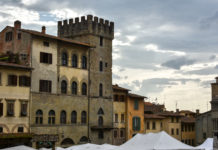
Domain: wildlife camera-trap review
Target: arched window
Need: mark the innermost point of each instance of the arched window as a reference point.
(73, 117)
(64, 59)
(100, 89)
(100, 66)
(84, 62)
(100, 111)
(51, 117)
(74, 60)
(64, 86)
(84, 89)
(39, 117)
(83, 117)
(74, 87)
(100, 121)
(63, 118)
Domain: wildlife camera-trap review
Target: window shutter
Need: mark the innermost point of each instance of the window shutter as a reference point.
(133, 123)
(139, 124)
(1, 109)
(50, 58)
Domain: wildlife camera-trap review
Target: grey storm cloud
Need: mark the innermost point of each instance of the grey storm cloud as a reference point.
(178, 63)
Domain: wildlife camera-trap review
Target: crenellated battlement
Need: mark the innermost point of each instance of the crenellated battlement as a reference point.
(86, 25)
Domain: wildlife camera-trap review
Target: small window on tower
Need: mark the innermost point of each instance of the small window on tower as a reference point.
(45, 43)
(19, 36)
(101, 41)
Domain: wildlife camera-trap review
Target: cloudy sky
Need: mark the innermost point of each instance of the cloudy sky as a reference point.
(166, 50)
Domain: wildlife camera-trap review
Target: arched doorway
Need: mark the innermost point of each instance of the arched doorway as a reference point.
(67, 143)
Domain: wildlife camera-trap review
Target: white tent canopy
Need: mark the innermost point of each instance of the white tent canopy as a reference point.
(154, 141)
(207, 145)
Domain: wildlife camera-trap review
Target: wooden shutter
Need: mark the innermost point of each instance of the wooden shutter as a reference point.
(50, 58)
(41, 57)
(1, 109)
(139, 123)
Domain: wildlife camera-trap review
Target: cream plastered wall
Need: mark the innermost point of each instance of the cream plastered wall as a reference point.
(43, 71)
(119, 108)
(16, 94)
(158, 127)
(168, 125)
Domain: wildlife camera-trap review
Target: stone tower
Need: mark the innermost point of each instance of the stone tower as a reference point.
(99, 33)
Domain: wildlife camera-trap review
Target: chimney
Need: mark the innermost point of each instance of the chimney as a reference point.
(43, 29)
(17, 24)
(197, 111)
(177, 110)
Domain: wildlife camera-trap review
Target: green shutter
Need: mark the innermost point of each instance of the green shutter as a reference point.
(133, 126)
(139, 124)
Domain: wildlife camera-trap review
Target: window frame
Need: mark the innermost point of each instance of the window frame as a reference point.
(63, 87)
(74, 61)
(39, 117)
(63, 117)
(51, 117)
(8, 36)
(64, 61)
(12, 80)
(73, 117)
(10, 108)
(24, 81)
(74, 88)
(45, 86)
(83, 117)
(45, 58)
(84, 88)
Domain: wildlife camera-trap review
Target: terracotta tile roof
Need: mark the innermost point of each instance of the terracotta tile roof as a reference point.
(148, 104)
(117, 87)
(153, 116)
(187, 111)
(188, 119)
(56, 38)
(169, 113)
(13, 65)
(136, 96)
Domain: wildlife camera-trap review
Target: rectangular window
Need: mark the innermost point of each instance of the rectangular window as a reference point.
(136, 105)
(115, 97)
(8, 36)
(172, 131)
(10, 108)
(20, 130)
(45, 43)
(45, 86)
(100, 134)
(19, 36)
(161, 125)
(45, 58)
(153, 125)
(101, 41)
(23, 56)
(1, 109)
(177, 131)
(24, 81)
(116, 118)
(172, 119)
(177, 119)
(136, 123)
(122, 118)
(1, 130)
(23, 108)
(122, 133)
(115, 134)
(122, 98)
(148, 125)
(100, 66)
(12, 80)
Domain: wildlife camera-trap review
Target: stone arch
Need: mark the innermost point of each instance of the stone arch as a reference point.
(100, 111)
(6, 127)
(19, 125)
(84, 139)
(67, 142)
